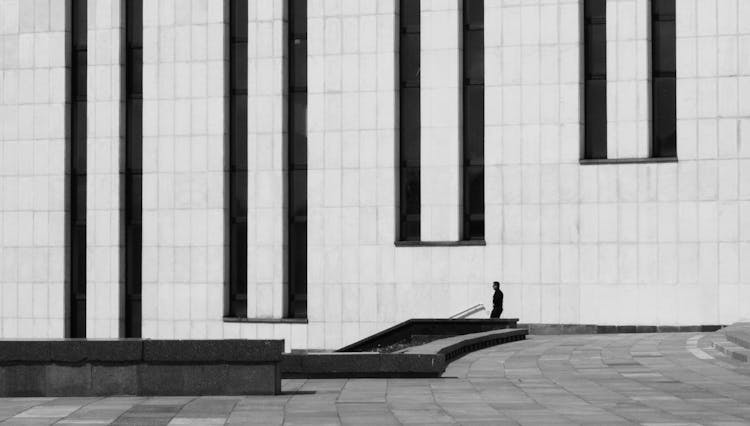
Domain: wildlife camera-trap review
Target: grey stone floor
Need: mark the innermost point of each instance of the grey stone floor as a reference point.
(648, 379)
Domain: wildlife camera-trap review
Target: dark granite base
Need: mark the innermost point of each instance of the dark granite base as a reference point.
(361, 365)
(550, 329)
(429, 360)
(739, 334)
(427, 327)
(139, 367)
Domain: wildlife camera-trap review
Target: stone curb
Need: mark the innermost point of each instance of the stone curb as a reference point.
(732, 350)
(457, 346)
(429, 326)
(428, 360)
(80, 367)
(556, 329)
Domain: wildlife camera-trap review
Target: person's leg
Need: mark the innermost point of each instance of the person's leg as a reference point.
(495, 313)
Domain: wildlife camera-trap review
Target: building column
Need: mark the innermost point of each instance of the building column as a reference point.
(184, 203)
(440, 156)
(104, 149)
(32, 169)
(266, 285)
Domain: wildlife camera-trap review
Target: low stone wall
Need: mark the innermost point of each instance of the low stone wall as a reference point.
(739, 334)
(457, 346)
(360, 365)
(75, 367)
(554, 329)
(430, 327)
(428, 360)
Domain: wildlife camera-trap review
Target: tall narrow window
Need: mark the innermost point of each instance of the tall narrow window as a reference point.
(133, 164)
(663, 69)
(595, 84)
(78, 63)
(297, 159)
(473, 120)
(238, 17)
(409, 122)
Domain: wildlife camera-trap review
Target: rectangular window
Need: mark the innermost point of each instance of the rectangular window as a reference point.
(595, 84)
(238, 27)
(473, 120)
(297, 158)
(409, 121)
(78, 63)
(663, 69)
(133, 164)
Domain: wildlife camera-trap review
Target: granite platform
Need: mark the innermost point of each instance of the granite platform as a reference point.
(81, 367)
(423, 361)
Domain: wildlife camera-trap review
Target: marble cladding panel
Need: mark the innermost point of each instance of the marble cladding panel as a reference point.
(104, 149)
(665, 243)
(33, 57)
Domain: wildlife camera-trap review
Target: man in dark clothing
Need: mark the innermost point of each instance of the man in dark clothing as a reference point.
(497, 301)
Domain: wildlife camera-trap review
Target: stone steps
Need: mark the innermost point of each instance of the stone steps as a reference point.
(734, 341)
(739, 335)
(731, 350)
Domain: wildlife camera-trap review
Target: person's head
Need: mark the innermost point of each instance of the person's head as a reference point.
(496, 285)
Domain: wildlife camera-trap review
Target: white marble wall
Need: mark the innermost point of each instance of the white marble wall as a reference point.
(105, 143)
(266, 282)
(441, 90)
(643, 244)
(608, 244)
(351, 192)
(32, 168)
(628, 74)
(183, 168)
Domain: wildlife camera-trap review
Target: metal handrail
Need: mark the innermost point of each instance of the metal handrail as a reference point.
(469, 311)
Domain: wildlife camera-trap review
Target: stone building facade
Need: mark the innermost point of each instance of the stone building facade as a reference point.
(634, 236)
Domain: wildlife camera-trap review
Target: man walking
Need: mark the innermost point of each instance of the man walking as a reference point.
(497, 301)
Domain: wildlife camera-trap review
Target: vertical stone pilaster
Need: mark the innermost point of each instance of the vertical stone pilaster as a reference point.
(441, 100)
(104, 149)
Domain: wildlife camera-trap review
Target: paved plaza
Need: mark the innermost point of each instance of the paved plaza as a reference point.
(649, 379)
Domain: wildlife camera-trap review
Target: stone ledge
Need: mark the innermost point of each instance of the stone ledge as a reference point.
(70, 351)
(212, 351)
(361, 365)
(429, 360)
(739, 335)
(428, 326)
(554, 329)
(79, 367)
(732, 350)
(457, 346)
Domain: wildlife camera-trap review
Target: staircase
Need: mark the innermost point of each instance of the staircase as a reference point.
(424, 330)
(736, 342)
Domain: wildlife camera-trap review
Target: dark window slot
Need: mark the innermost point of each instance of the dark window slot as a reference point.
(133, 173)
(595, 79)
(77, 169)
(297, 159)
(663, 81)
(236, 167)
(473, 121)
(409, 121)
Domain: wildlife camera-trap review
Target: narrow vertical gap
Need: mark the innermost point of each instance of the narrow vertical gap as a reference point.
(663, 76)
(77, 166)
(133, 164)
(595, 79)
(409, 121)
(473, 120)
(238, 27)
(297, 158)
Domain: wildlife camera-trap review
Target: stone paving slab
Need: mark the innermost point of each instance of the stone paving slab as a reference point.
(647, 379)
